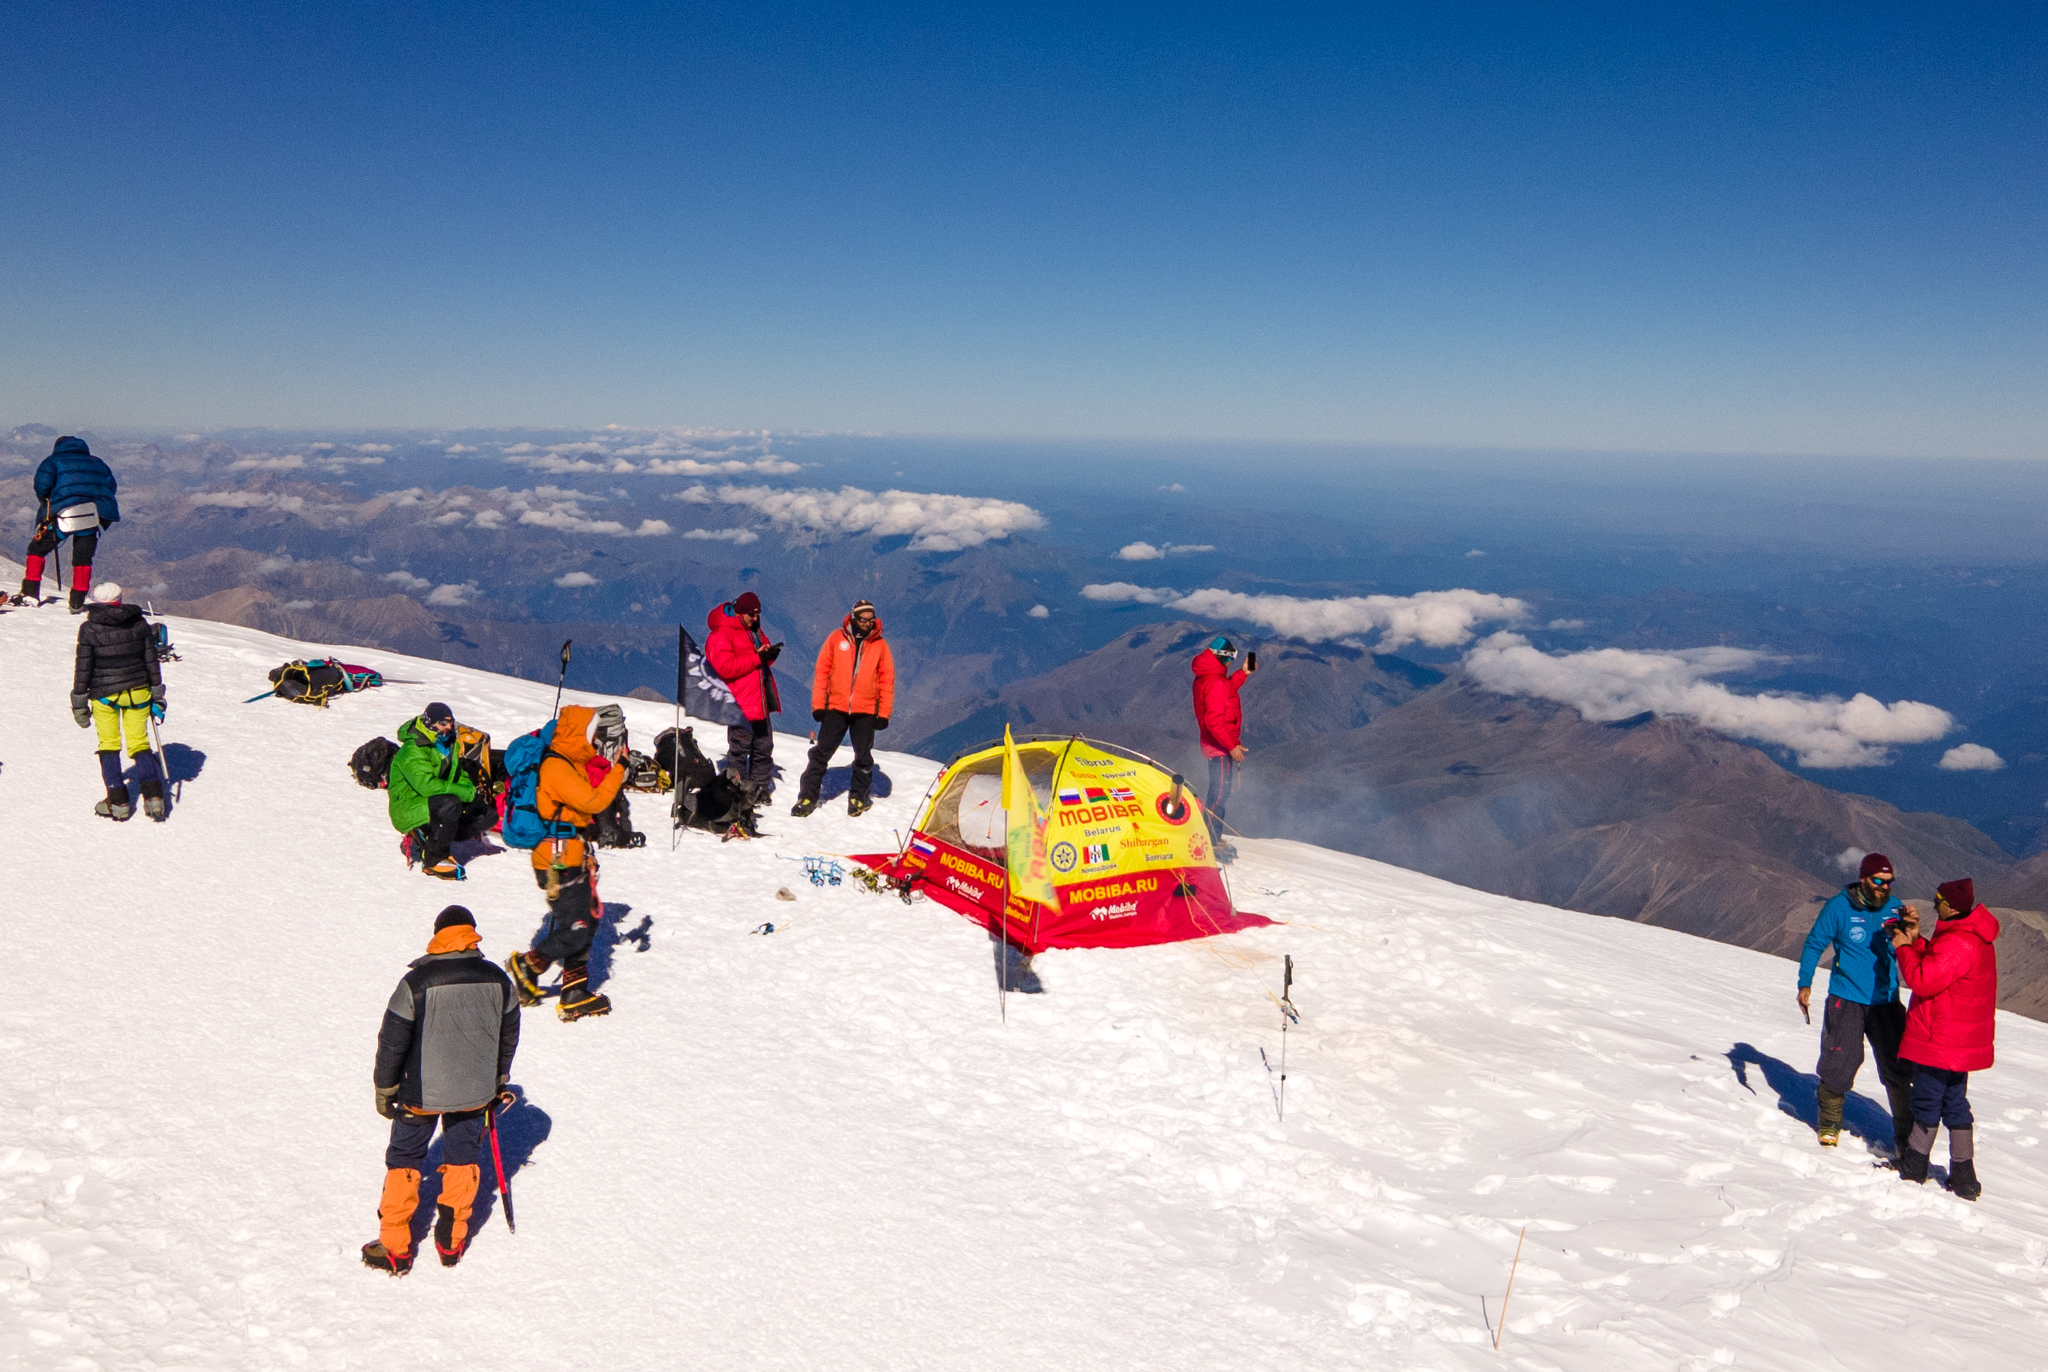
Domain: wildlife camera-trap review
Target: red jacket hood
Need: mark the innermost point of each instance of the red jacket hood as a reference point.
(723, 616)
(1207, 663)
(1979, 921)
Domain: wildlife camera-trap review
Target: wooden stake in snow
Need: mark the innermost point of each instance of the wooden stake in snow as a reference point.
(1502, 1327)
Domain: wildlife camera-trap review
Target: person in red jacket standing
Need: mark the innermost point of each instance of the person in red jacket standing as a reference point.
(1949, 1029)
(853, 689)
(1221, 721)
(736, 650)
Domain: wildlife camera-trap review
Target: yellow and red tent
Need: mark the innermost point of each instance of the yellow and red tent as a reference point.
(1125, 841)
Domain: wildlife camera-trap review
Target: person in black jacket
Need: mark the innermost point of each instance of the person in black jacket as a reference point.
(444, 1052)
(117, 687)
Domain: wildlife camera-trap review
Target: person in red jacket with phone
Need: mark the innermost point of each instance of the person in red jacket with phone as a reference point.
(735, 648)
(1949, 1027)
(1221, 721)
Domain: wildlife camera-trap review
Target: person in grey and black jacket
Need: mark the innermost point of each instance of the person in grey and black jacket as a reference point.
(444, 1052)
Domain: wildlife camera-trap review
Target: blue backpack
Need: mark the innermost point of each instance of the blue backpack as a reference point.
(522, 826)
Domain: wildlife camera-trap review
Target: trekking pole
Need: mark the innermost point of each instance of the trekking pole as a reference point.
(564, 678)
(675, 752)
(498, 1163)
(1286, 1013)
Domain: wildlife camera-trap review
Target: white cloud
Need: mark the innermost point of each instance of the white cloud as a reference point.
(570, 581)
(1970, 757)
(1605, 684)
(454, 595)
(521, 448)
(373, 447)
(459, 448)
(1437, 619)
(273, 564)
(739, 536)
(1850, 860)
(933, 523)
(1566, 624)
(251, 500)
(1176, 486)
(1114, 591)
(490, 519)
(288, 462)
(1039, 612)
(298, 605)
(570, 520)
(732, 466)
(563, 511)
(408, 580)
(1145, 552)
(451, 517)
(1477, 552)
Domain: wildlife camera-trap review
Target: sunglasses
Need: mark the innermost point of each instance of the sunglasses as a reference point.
(1879, 881)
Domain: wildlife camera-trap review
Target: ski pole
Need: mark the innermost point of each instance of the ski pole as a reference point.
(1286, 1012)
(675, 751)
(564, 678)
(498, 1163)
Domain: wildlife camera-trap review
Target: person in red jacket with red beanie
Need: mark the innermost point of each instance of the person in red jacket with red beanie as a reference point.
(735, 649)
(1949, 1028)
(1221, 721)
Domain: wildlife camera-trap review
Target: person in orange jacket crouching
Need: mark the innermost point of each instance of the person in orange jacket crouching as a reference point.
(853, 690)
(444, 1053)
(564, 868)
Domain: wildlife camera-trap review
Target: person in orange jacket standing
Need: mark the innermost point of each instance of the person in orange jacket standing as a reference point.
(853, 690)
(563, 866)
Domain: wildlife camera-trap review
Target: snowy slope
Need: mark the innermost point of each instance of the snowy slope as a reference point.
(821, 1148)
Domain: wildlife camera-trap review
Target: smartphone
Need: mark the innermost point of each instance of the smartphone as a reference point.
(1251, 661)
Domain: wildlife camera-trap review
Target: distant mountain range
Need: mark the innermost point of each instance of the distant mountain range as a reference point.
(484, 563)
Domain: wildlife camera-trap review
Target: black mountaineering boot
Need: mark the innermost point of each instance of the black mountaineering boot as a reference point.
(375, 1256)
(78, 602)
(804, 806)
(524, 979)
(1912, 1165)
(115, 806)
(1962, 1179)
(579, 1002)
(858, 805)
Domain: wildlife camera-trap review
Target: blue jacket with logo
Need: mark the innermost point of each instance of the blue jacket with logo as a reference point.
(1864, 970)
(71, 475)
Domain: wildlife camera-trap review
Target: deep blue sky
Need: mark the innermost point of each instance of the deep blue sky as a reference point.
(1757, 229)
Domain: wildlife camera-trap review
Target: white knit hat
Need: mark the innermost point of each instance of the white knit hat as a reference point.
(107, 593)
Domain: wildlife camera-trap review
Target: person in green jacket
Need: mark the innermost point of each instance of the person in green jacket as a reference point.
(434, 802)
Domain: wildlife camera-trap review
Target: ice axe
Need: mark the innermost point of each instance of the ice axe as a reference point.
(563, 679)
(498, 1164)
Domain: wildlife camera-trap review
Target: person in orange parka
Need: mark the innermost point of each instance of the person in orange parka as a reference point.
(563, 866)
(852, 692)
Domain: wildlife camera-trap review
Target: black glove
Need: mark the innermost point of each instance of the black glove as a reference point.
(387, 1102)
(881, 723)
(81, 711)
(818, 715)
(770, 653)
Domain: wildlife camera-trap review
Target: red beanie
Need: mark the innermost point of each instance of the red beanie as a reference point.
(1873, 863)
(1961, 894)
(747, 602)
